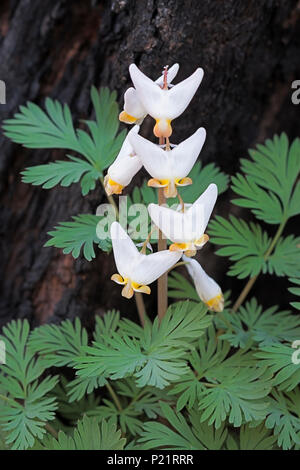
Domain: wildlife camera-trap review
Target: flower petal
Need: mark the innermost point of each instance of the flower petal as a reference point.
(181, 94)
(158, 162)
(170, 222)
(125, 252)
(132, 104)
(206, 287)
(150, 95)
(186, 153)
(207, 201)
(148, 268)
(125, 166)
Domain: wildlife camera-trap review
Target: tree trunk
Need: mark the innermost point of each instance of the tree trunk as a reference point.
(250, 53)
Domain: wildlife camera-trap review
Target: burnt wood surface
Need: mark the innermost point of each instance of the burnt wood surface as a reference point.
(250, 54)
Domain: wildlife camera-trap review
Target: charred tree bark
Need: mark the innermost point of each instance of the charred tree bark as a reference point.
(59, 48)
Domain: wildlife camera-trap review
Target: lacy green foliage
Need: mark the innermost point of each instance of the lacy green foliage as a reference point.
(35, 128)
(26, 405)
(252, 438)
(285, 259)
(265, 327)
(269, 186)
(64, 173)
(79, 234)
(295, 291)
(243, 243)
(278, 358)
(88, 435)
(155, 355)
(284, 418)
(200, 399)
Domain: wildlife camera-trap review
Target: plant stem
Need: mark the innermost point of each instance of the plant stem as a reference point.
(162, 284)
(252, 280)
(51, 430)
(140, 307)
(114, 397)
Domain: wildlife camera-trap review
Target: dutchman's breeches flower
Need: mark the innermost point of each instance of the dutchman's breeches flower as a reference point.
(186, 229)
(123, 169)
(208, 290)
(169, 168)
(134, 111)
(136, 270)
(164, 104)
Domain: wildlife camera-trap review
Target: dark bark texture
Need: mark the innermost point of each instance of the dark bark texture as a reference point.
(249, 50)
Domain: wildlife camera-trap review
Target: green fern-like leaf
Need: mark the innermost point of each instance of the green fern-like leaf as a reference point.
(285, 260)
(284, 418)
(78, 234)
(35, 128)
(252, 438)
(64, 173)
(278, 358)
(265, 327)
(154, 355)
(269, 188)
(182, 435)
(26, 406)
(58, 345)
(295, 291)
(243, 243)
(88, 435)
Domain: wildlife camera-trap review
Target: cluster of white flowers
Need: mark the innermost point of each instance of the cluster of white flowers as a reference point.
(169, 166)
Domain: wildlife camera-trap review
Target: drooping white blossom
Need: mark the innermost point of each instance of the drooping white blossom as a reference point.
(137, 270)
(124, 168)
(169, 168)
(186, 229)
(134, 111)
(208, 290)
(162, 104)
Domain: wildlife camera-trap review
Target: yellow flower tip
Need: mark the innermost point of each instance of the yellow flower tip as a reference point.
(118, 279)
(127, 291)
(162, 128)
(190, 253)
(178, 246)
(202, 240)
(183, 181)
(112, 187)
(154, 183)
(125, 117)
(170, 190)
(216, 303)
(141, 288)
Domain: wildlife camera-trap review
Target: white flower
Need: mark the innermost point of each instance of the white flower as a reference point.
(169, 168)
(163, 104)
(123, 169)
(208, 290)
(134, 111)
(186, 229)
(136, 270)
